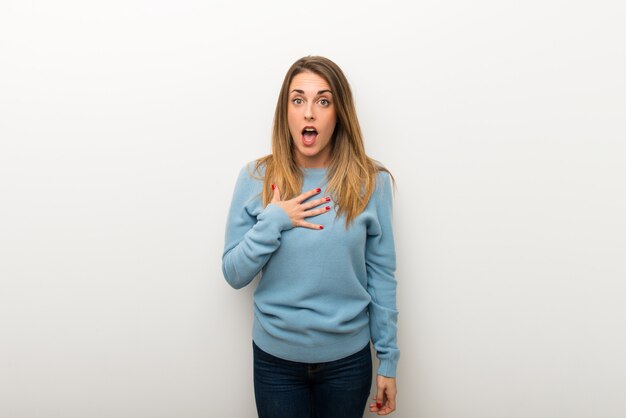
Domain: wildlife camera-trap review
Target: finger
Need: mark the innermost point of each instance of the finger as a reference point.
(276, 195)
(309, 225)
(304, 196)
(380, 397)
(389, 404)
(373, 407)
(391, 400)
(316, 202)
(315, 212)
(385, 410)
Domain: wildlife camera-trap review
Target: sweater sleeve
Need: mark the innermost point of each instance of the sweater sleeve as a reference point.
(380, 258)
(252, 233)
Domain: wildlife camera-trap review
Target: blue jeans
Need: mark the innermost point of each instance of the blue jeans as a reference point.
(289, 389)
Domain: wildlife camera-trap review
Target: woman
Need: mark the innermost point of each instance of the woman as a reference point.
(314, 219)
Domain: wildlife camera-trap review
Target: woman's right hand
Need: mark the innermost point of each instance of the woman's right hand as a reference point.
(299, 211)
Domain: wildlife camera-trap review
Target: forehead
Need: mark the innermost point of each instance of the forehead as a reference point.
(308, 82)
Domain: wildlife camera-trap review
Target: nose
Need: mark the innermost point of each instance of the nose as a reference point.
(308, 112)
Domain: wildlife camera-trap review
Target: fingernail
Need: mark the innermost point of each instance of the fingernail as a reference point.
(327, 207)
(379, 405)
(318, 190)
(273, 186)
(321, 227)
(328, 199)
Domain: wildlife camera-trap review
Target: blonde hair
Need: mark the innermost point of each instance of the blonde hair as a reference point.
(351, 173)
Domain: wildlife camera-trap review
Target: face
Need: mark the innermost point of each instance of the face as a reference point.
(311, 117)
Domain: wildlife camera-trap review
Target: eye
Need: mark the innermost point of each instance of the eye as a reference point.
(297, 101)
(324, 102)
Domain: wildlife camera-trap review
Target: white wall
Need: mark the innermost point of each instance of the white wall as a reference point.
(123, 125)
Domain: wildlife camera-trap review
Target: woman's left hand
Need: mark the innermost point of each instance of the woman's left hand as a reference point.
(385, 400)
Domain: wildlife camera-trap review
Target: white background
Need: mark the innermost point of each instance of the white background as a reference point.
(123, 125)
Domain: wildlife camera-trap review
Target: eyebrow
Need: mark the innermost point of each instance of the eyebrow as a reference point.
(318, 93)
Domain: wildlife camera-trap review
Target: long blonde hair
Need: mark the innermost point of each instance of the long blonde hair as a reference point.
(351, 173)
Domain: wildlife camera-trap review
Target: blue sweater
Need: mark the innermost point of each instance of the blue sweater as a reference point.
(323, 294)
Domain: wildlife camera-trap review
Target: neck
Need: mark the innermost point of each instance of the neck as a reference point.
(316, 161)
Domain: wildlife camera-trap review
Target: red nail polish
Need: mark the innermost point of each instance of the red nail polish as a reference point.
(318, 190)
(328, 199)
(273, 186)
(321, 227)
(327, 207)
(379, 405)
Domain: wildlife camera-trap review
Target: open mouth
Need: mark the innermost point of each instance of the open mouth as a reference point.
(308, 135)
